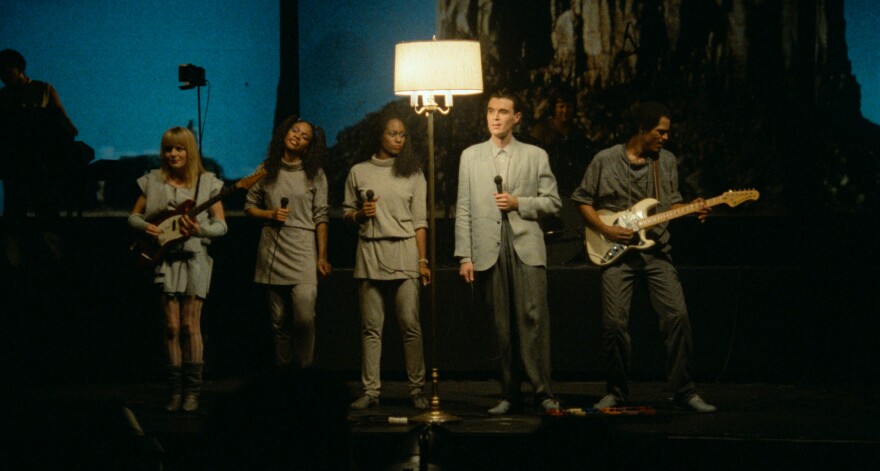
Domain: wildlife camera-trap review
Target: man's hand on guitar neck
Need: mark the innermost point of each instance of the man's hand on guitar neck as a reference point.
(702, 213)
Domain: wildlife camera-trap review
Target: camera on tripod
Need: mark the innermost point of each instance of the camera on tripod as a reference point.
(191, 76)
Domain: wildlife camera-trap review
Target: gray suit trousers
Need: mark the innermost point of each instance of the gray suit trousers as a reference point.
(516, 295)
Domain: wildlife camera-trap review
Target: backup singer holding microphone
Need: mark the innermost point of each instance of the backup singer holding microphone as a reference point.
(184, 274)
(292, 199)
(385, 195)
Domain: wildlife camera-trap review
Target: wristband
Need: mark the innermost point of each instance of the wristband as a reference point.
(138, 222)
(214, 228)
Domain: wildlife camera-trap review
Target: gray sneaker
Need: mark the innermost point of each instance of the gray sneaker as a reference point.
(696, 403)
(550, 404)
(506, 407)
(419, 401)
(610, 400)
(365, 402)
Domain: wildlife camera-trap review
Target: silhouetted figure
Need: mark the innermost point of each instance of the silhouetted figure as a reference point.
(35, 140)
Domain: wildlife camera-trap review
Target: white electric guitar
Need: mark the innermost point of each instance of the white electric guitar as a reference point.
(602, 251)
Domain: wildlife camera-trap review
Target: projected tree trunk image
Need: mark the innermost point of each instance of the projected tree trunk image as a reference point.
(762, 92)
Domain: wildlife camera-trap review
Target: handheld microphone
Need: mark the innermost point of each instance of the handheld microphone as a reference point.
(284, 201)
(370, 195)
(498, 183)
(279, 225)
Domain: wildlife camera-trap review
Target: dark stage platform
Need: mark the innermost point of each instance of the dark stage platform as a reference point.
(783, 311)
(758, 426)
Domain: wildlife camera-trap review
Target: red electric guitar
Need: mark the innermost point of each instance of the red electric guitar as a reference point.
(151, 250)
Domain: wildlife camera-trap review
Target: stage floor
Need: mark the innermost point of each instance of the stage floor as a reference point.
(757, 425)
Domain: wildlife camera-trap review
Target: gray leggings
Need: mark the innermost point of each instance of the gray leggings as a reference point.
(405, 295)
(292, 313)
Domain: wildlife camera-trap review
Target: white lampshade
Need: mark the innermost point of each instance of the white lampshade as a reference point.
(449, 67)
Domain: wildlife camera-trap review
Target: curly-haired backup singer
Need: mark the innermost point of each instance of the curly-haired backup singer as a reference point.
(292, 200)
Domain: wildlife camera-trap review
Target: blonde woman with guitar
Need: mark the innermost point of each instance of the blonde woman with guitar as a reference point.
(617, 179)
(164, 212)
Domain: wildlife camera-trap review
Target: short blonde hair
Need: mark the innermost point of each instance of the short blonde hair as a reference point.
(180, 136)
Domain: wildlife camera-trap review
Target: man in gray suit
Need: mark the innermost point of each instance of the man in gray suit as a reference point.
(504, 188)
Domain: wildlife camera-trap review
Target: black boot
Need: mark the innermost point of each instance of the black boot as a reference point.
(192, 378)
(175, 384)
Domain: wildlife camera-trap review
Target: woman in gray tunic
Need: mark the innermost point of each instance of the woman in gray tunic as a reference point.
(292, 200)
(385, 196)
(184, 274)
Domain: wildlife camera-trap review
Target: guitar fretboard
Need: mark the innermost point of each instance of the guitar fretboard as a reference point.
(210, 201)
(245, 182)
(678, 212)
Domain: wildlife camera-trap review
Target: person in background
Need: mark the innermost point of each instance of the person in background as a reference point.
(564, 139)
(291, 200)
(184, 273)
(35, 138)
(385, 197)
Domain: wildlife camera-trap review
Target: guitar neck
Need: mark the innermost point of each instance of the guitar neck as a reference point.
(651, 221)
(210, 202)
(244, 183)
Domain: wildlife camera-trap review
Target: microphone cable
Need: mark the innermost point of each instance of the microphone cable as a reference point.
(284, 201)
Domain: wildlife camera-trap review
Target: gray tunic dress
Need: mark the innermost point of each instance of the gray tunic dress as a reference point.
(387, 245)
(286, 254)
(186, 270)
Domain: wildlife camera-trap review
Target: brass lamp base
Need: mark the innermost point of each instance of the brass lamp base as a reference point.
(435, 415)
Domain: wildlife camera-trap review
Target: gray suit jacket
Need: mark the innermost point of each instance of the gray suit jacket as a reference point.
(478, 219)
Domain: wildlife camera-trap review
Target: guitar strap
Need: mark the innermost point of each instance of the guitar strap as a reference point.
(196, 194)
(656, 168)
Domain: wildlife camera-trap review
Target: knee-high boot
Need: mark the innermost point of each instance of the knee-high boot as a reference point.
(192, 387)
(175, 384)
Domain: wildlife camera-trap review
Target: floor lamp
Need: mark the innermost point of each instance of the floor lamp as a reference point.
(424, 70)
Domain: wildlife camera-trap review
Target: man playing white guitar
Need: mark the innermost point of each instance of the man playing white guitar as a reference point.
(617, 178)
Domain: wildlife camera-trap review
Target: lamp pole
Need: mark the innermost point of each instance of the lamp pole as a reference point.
(422, 70)
(435, 415)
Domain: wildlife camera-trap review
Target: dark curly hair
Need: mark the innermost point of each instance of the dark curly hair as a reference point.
(645, 116)
(406, 163)
(312, 159)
